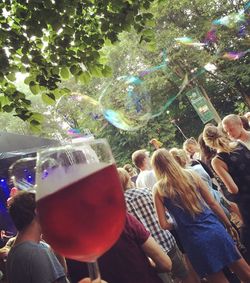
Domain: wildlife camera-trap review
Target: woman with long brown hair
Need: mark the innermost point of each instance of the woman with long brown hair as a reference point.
(207, 243)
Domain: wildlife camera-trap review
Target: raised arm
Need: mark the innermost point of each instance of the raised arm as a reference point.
(160, 258)
(161, 210)
(221, 170)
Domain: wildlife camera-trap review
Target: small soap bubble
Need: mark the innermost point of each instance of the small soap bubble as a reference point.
(231, 20)
(189, 41)
(233, 55)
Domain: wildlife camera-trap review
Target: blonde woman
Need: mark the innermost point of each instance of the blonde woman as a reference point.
(192, 148)
(206, 241)
(183, 160)
(232, 165)
(139, 203)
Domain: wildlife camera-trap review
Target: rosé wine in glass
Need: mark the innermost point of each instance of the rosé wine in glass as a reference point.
(80, 201)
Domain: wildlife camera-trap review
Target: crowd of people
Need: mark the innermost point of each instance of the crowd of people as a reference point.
(187, 219)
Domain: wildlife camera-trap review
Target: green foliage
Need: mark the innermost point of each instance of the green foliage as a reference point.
(123, 143)
(241, 108)
(65, 73)
(52, 40)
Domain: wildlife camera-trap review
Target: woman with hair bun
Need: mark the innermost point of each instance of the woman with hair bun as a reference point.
(232, 165)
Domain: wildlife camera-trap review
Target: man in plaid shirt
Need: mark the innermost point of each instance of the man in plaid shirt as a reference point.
(140, 204)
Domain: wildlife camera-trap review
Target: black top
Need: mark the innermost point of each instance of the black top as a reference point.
(238, 163)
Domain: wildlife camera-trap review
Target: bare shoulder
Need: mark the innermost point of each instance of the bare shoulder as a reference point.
(218, 163)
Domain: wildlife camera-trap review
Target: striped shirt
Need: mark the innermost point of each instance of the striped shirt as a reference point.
(140, 204)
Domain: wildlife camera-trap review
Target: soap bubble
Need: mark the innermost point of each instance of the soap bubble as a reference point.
(232, 20)
(233, 55)
(128, 105)
(161, 103)
(232, 28)
(79, 111)
(236, 28)
(75, 133)
(188, 41)
(125, 103)
(120, 121)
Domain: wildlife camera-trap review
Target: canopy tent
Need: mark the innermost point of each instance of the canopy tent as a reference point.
(11, 144)
(12, 148)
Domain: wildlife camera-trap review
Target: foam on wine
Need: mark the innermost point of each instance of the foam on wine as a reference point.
(60, 177)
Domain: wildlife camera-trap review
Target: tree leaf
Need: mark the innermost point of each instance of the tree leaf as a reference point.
(84, 77)
(37, 117)
(4, 100)
(74, 69)
(34, 88)
(151, 46)
(11, 77)
(36, 129)
(1, 77)
(7, 108)
(29, 79)
(65, 73)
(107, 71)
(48, 98)
(34, 122)
(95, 71)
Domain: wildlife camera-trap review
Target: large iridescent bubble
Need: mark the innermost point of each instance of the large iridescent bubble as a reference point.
(126, 103)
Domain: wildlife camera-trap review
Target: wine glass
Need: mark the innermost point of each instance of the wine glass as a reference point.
(22, 173)
(80, 202)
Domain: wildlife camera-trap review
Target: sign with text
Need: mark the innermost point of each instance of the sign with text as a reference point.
(200, 105)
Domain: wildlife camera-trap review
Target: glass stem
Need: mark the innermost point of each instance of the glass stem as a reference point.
(94, 272)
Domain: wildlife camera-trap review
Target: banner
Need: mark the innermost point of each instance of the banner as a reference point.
(200, 105)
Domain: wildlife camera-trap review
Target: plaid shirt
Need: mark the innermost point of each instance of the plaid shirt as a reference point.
(140, 204)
